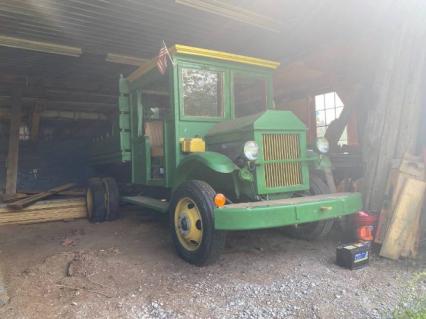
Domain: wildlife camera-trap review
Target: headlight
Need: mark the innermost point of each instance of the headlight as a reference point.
(251, 150)
(322, 145)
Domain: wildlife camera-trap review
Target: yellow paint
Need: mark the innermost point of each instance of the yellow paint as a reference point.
(220, 55)
(192, 145)
(188, 224)
(212, 54)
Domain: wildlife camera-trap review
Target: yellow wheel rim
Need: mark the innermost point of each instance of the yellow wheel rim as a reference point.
(188, 224)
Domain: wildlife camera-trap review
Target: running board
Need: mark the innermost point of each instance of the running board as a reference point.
(147, 202)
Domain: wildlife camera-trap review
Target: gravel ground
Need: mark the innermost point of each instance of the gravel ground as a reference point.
(128, 269)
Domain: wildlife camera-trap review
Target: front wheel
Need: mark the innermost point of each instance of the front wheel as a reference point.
(192, 223)
(314, 230)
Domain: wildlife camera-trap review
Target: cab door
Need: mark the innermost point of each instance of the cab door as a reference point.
(139, 165)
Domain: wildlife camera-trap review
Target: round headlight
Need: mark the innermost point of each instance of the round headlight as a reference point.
(322, 145)
(251, 150)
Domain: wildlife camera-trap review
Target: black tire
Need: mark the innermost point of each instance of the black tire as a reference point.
(212, 241)
(112, 202)
(95, 200)
(314, 230)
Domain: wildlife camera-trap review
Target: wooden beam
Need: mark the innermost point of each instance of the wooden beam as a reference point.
(20, 204)
(125, 59)
(13, 152)
(39, 46)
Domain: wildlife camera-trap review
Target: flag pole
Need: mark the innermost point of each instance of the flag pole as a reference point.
(168, 53)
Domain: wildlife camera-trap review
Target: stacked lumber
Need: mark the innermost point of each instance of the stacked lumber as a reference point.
(26, 201)
(399, 224)
(44, 211)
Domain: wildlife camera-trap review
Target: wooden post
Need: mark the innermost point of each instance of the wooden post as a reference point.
(35, 120)
(13, 152)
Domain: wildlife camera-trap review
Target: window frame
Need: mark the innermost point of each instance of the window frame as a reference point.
(251, 74)
(324, 110)
(225, 93)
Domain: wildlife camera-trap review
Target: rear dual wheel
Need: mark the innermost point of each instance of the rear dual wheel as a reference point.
(102, 199)
(192, 223)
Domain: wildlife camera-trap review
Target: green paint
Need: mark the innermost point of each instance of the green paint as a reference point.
(274, 215)
(150, 203)
(223, 165)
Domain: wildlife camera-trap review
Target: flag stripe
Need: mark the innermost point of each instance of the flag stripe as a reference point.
(162, 60)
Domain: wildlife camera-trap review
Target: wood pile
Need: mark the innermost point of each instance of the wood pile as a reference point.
(44, 211)
(26, 201)
(399, 228)
(29, 208)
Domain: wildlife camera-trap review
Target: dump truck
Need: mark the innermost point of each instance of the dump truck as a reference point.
(203, 144)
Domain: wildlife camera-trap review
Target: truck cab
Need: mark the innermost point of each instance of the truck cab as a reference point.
(204, 140)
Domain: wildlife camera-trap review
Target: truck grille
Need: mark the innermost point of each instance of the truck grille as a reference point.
(277, 150)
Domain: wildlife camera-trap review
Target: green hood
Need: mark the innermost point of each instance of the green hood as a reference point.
(269, 120)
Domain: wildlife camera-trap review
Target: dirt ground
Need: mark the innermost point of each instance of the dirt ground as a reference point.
(128, 269)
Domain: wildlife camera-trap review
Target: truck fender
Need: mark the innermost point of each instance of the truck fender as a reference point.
(193, 165)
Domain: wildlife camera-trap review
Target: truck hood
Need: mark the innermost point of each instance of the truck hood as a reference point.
(270, 120)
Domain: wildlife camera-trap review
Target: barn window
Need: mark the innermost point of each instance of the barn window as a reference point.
(328, 107)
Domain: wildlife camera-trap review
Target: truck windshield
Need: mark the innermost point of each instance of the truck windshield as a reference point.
(249, 94)
(202, 92)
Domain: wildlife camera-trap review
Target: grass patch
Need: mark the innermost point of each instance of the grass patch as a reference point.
(417, 310)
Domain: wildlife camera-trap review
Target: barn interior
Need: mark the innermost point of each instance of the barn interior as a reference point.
(61, 63)
(353, 73)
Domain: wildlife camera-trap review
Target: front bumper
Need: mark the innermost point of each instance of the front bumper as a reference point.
(284, 212)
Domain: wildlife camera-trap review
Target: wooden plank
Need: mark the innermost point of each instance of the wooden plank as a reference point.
(5, 198)
(13, 151)
(404, 218)
(44, 211)
(410, 247)
(42, 205)
(75, 193)
(34, 198)
(410, 167)
(48, 215)
(125, 59)
(39, 46)
(394, 184)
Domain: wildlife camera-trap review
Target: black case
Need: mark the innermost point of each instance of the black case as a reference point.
(353, 256)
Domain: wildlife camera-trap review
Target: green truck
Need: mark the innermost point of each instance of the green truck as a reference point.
(205, 146)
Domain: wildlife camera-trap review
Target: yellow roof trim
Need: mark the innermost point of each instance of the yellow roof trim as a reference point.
(220, 55)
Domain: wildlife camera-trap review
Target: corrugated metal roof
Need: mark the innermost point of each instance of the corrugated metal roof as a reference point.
(138, 27)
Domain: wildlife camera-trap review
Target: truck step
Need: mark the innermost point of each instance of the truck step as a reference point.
(158, 205)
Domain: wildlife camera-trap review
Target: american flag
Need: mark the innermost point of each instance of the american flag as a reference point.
(162, 60)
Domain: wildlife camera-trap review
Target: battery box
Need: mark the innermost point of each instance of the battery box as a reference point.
(353, 256)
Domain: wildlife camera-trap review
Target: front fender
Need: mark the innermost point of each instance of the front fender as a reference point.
(197, 164)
